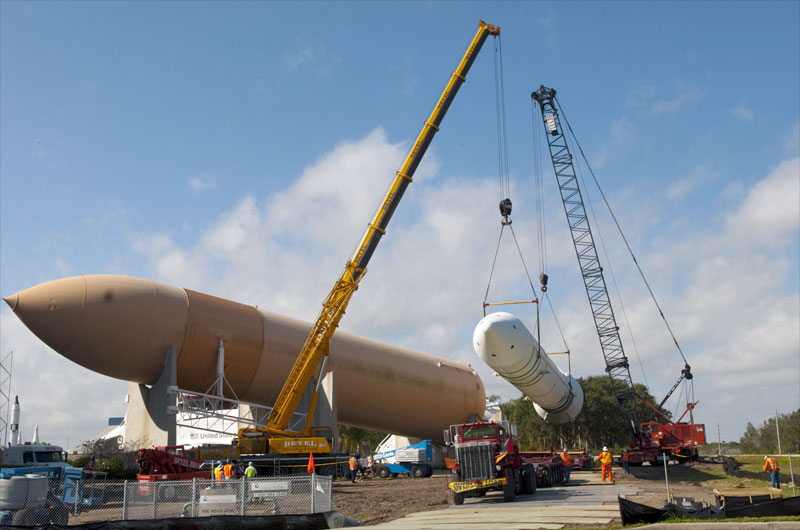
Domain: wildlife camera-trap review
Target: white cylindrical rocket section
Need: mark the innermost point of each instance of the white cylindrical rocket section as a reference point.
(503, 342)
(14, 422)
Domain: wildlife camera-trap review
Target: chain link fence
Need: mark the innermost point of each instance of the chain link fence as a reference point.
(30, 500)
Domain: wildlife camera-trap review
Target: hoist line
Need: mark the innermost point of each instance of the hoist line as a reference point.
(491, 273)
(500, 109)
(560, 331)
(538, 184)
(619, 228)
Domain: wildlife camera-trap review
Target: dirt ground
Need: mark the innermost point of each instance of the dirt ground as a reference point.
(374, 501)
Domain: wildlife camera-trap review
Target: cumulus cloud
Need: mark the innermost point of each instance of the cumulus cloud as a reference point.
(771, 212)
(427, 280)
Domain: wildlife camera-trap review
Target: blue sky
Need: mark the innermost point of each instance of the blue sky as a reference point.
(239, 149)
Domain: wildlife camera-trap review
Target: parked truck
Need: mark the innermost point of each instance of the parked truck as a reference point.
(414, 460)
(487, 459)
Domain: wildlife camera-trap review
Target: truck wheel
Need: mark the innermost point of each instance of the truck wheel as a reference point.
(383, 472)
(428, 470)
(417, 472)
(508, 489)
(458, 498)
(168, 493)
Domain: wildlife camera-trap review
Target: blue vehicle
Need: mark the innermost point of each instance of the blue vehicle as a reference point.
(413, 460)
(27, 498)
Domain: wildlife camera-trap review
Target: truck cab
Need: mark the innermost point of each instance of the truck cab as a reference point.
(487, 459)
(30, 455)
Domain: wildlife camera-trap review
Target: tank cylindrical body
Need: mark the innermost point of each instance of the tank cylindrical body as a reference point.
(122, 326)
(503, 342)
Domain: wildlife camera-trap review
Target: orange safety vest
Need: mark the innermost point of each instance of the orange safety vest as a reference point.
(228, 470)
(565, 459)
(605, 457)
(770, 464)
(353, 463)
(218, 474)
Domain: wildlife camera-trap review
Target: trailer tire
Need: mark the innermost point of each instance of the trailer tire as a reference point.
(458, 498)
(383, 472)
(528, 480)
(417, 472)
(510, 487)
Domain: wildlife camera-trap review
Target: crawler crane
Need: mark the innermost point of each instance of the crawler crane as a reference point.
(650, 439)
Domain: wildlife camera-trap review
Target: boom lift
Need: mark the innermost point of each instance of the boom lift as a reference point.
(651, 438)
(310, 363)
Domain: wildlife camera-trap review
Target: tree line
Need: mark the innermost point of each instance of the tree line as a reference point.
(764, 439)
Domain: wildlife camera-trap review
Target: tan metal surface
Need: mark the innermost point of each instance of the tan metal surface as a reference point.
(121, 326)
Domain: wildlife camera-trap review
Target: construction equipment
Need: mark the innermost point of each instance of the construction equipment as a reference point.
(651, 439)
(413, 460)
(309, 368)
(168, 462)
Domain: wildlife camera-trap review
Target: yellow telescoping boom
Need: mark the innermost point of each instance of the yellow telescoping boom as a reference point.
(310, 360)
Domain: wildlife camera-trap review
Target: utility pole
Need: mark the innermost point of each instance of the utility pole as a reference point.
(778, 431)
(719, 442)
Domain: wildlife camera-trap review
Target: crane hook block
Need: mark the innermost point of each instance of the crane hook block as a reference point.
(543, 281)
(505, 207)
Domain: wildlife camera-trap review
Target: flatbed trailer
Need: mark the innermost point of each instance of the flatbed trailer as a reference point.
(547, 465)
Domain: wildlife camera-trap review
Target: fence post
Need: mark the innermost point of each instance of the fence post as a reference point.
(77, 496)
(194, 497)
(155, 496)
(125, 500)
(242, 490)
(313, 483)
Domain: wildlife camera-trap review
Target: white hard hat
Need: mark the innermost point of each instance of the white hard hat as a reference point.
(605, 448)
(249, 463)
(766, 456)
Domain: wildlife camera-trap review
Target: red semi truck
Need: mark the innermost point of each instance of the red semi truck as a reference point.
(488, 459)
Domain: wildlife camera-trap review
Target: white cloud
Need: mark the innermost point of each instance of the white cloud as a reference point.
(699, 175)
(743, 113)
(771, 212)
(200, 184)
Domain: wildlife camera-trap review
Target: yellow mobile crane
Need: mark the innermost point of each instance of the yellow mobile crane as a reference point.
(310, 362)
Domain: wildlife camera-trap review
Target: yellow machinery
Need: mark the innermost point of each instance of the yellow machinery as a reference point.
(310, 362)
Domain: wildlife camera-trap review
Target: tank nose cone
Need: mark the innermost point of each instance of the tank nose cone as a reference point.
(12, 301)
(115, 325)
(51, 310)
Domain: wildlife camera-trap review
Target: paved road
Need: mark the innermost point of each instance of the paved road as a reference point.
(584, 501)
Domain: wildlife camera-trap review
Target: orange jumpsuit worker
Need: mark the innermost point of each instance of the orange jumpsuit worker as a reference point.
(228, 470)
(566, 464)
(771, 465)
(605, 464)
(353, 468)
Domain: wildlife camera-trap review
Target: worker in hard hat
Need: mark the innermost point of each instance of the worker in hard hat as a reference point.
(228, 470)
(605, 459)
(771, 466)
(353, 469)
(218, 473)
(250, 472)
(566, 464)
